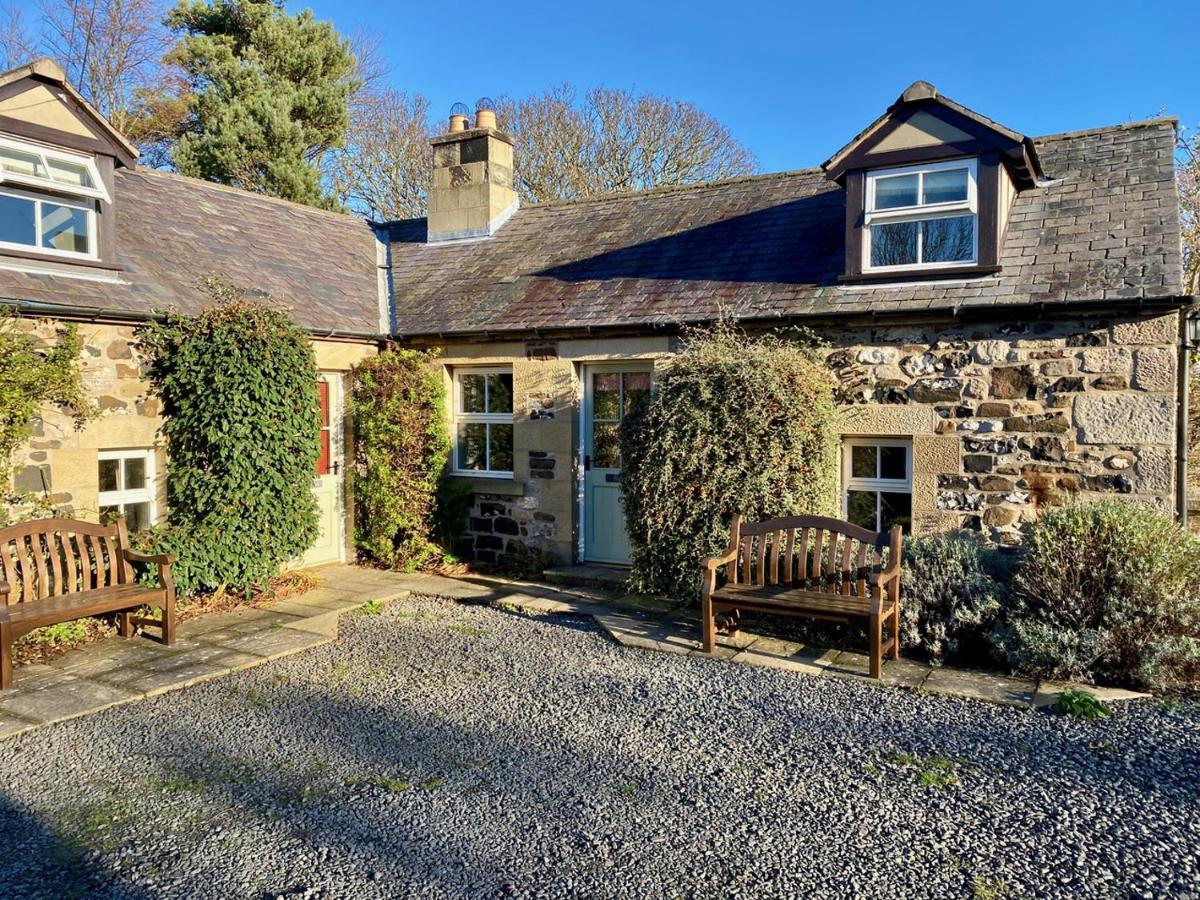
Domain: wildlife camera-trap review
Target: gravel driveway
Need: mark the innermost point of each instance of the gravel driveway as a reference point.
(439, 750)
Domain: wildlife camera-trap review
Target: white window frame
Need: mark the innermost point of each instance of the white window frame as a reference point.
(921, 212)
(485, 418)
(36, 247)
(890, 485)
(123, 497)
(98, 192)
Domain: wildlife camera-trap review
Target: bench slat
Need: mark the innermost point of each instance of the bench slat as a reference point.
(818, 557)
(56, 566)
(26, 570)
(69, 553)
(802, 562)
(847, 574)
(862, 569)
(789, 558)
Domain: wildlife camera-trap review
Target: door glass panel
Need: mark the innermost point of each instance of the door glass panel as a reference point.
(108, 514)
(862, 462)
(606, 445)
(471, 393)
(500, 397)
(637, 391)
(895, 509)
(64, 228)
(110, 473)
(472, 445)
(860, 508)
(16, 221)
(893, 462)
(606, 395)
(135, 473)
(502, 448)
(137, 516)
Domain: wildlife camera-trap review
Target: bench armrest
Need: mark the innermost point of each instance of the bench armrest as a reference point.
(712, 563)
(891, 573)
(162, 559)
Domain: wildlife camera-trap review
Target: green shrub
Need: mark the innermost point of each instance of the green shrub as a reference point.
(241, 417)
(401, 446)
(737, 424)
(949, 602)
(1106, 592)
(1082, 705)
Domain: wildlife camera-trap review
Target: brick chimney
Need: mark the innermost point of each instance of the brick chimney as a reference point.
(472, 193)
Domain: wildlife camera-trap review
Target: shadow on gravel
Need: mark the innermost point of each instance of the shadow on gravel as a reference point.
(39, 862)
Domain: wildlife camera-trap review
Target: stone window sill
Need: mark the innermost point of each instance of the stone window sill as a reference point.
(502, 487)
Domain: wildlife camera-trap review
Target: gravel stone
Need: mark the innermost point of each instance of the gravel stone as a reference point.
(443, 750)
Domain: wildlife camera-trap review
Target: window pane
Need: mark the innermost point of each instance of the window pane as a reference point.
(894, 244)
(895, 509)
(137, 516)
(637, 391)
(860, 508)
(64, 228)
(862, 462)
(897, 190)
(108, 514)
(21, 163)
(949, 240)
(16, 220)
(135, 473)
(946, 186)
(110, 475)
(606, 395)
(606, 446)
(471, 393)
(500, 399)
(502, 448)
(893, 462)
(472, 446)
(70, 173)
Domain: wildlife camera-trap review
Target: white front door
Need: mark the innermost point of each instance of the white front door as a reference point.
(327, 485)
(610, 392)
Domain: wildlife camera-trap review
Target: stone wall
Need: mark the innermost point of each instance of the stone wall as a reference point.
(1010, 418)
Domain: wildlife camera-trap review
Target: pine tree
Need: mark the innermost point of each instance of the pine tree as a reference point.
(268, 95)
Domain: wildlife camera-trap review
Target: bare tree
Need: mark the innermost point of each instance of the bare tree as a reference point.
(615, 140)
(16, 39)
(383, 171)
(1189, 203)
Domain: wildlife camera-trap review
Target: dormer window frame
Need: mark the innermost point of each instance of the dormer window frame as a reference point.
(920, 212)
(47, 156)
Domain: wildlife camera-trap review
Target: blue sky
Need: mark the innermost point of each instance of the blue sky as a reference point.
(794, 81)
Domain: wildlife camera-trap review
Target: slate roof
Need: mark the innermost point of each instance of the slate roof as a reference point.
(1106, 229)
(173, 232)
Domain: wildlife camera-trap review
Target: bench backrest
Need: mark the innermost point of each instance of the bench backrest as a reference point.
(52, 557)
(815, 553)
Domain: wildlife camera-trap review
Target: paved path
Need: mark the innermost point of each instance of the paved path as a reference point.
(115, 670)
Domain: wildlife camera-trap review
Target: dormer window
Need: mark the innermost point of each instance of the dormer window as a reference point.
(48, 200)
(919, 217)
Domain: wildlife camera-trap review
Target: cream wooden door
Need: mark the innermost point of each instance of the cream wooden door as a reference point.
(610, 393)
(327, 485)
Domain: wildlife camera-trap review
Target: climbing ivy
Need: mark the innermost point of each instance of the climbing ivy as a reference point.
(401, 447)
(34, 373)
(241, 419)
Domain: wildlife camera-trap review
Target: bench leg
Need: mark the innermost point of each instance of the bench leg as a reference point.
(895, 627)
(6, 642)
(168, 620)
(875, 627)
(125, 623)
(708, 626)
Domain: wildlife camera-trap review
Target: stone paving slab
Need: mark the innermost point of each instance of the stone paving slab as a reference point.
(118, 670)
(1048, 691)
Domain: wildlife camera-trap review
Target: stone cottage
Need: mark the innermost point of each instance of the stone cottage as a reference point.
(1004, 314)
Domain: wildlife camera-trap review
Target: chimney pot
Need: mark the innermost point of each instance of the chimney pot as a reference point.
(485, 113)
(458, 123)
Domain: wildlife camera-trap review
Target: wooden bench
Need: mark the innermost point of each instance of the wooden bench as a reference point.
(58, 570)
(809, 566)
